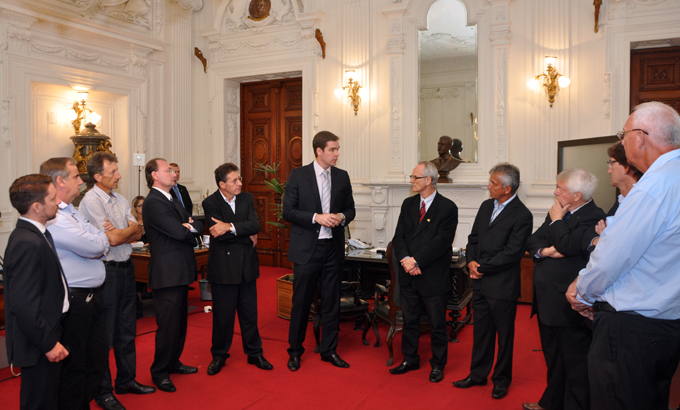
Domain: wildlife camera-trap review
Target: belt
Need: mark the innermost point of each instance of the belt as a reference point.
(119, 264)
(327, 240)
(606, 307)
(84, 291)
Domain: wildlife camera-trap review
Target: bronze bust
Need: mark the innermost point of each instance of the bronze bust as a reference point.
(449, 157)
(259, 9)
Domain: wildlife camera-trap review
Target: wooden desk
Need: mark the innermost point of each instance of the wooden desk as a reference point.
(141, 260)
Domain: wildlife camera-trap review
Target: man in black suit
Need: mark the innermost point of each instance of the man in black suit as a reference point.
(422, 242)
(35, 294)
(172, 267)
(180, 191)
(560, 251)
(494, 255)
(233, 268)
(319, 204)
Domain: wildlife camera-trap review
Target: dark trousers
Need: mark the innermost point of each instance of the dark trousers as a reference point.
(170, 305)
(227, 301)
(40, 385)
(435, 307)
(84, 335)
(566, 355)
(493, 317)
(120, 298)
(631, 361)
(325, 270)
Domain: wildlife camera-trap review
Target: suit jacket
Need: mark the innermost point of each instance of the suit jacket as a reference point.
(428, 242)
(301, 201)
(232, 257)
(171, 245)
(552, 276)
(186, 198)
(34, 295)
(498, 248)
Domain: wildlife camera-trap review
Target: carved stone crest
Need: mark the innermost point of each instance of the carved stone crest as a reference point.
(259, 9)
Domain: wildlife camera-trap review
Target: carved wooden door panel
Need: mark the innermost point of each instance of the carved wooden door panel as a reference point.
(655, 76)
(271, 133)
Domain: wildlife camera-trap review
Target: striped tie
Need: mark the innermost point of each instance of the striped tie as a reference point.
(422, 211)
(326, 197)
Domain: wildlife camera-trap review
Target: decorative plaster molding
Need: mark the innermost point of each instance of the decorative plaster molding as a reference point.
(19, 37)
(501, 61)
(645, 3)
(442, 92)
(379, 194)
(446, 65)
(379, 220)
(193, 5)
(135, 64)
(224, 50)
(232, 138)
(395, 92)
(237, 17)
(500, 37)
(5, 123)
(606, 95)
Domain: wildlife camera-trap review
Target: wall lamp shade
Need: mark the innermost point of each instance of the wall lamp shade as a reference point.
(353, 90)
(551, 80)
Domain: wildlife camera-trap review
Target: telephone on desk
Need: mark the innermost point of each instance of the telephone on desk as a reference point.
(356, 243)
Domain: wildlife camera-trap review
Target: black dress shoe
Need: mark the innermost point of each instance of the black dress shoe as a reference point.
(164, 385)
(184, 369)
(294, 363)
(260, 362)
(135, 388)
(335, 360)
(405, 367)
(467, 382)
(111, 403)
(215, 366)
(436, 375)
(499, 392)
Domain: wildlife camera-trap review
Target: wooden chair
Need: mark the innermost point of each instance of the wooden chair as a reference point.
(388, 311)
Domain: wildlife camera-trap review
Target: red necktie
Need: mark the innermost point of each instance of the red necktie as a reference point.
(422, 211)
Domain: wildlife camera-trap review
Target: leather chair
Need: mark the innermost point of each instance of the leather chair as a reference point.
(387, 308)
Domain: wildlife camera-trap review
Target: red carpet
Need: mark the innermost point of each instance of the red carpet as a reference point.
(367, 384)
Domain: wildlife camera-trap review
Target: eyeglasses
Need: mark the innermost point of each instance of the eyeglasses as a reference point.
(233, 181)
(611, 162)
(169, 171)
(622, 134)
(415, 177)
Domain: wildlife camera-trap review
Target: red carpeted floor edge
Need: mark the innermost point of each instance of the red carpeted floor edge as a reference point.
(366, 384)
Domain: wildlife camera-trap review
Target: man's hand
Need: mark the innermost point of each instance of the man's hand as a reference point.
(220, 228)
(408, 264)
(474, 273)
(415, 271)
(328, 220)
(138, 231)
(57, 354)
(108, 226)
(582, 308)
(551, 252)
(600, 226)
(254, 239)
(557, 211)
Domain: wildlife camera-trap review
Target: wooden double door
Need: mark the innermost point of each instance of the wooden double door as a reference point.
(271, 133)
(655, 76)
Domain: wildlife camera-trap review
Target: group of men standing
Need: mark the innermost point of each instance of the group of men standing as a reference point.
(607, 294)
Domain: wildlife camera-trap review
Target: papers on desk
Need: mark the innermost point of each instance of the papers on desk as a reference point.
(137, 245)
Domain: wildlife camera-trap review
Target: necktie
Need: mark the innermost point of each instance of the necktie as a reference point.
(495, 213)
(48, 235)
(177, 194)
(326, 196)
(566, 216)
(422, 211)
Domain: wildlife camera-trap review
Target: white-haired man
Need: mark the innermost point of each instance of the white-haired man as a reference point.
(631, 286)
(560, 250)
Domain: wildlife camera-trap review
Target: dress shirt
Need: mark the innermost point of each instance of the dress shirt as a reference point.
(498, 208)
(42, 230)
(318, 171)
(80, 247)
(232, 205)
(635, 264)
(167, 195)
(428, 201)
(97, 206)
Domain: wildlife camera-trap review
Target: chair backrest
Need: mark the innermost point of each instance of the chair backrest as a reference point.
(393, 293)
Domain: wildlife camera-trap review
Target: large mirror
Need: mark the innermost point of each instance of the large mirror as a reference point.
(448, 82)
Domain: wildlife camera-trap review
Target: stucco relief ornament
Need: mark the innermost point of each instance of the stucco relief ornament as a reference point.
(259, 9)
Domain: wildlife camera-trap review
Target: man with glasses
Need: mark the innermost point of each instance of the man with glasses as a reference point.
(233, 268)
(631, 286)
(172, 267)
(422, 243)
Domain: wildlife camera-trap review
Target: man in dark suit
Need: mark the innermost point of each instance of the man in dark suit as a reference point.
(180, 191)
(35, 294)
(422, 242)
(494, 255)
(560, 251)
(233, 268)
(172, 267)
(319, 204)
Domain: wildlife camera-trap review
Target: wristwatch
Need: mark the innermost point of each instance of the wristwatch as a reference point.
(343, 217)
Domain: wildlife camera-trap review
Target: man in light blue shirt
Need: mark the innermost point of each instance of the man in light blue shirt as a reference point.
(631, 286)
(81, 248)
